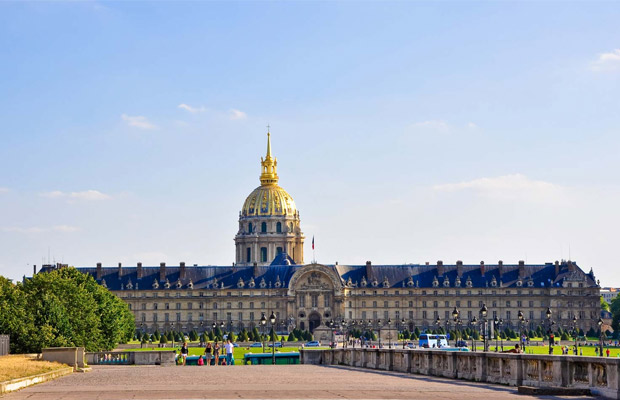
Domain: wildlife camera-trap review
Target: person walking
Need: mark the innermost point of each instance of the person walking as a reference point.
(208, 351)
(184, 352)
(216, 353)
(229, 352)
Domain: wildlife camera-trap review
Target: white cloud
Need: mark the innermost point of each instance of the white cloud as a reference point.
(138, 121)
(38, 229)
(607, 61)
(87, 195)
(4, 190)
(237, 114)
(471, 125)
(193, 110)
(506, 187)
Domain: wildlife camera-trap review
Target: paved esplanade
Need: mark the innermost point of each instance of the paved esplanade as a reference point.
(256, 382)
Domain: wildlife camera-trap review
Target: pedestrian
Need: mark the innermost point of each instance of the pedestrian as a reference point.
(208, 350)
(608, 352)
(229, 352)
(184, 352)
(216, 352)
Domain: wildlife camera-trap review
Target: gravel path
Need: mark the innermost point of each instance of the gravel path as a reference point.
(256, 382)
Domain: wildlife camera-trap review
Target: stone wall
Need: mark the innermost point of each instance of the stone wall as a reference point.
(72, 356)
(599, 374)
(164, 357)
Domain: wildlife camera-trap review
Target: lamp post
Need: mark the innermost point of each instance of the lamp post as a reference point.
(521, 339)
(344, 332)
(483, 320)
(438, 323)
(389, 323)
(263, 321)
(474, 324)
(272, 319)
(403, 323)
(575, 334)
(455, 317)
(379, 329)
(600, 339)
(549, 331)
(501, 339)
(172, 330)
(495, 324)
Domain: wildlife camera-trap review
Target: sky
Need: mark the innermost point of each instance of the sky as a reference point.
(406, 132)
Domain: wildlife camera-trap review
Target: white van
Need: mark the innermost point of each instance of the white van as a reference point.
(432, 341)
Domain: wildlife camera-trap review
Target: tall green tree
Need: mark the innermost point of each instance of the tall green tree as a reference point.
(604, 304)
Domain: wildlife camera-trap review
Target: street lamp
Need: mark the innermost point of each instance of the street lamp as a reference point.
(549, 332)
(483, 320)
(495, 324)
(521, 338)
(272, 319)
(575, 334)
(379, 328)
(455, 317)
(600, 327)
(403, 322)
(474, 324)
(172, 329)
(263, 321)
(389, 322)
(501, 339)
(344, 333)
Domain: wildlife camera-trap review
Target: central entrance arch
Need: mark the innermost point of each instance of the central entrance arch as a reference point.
(314, 320)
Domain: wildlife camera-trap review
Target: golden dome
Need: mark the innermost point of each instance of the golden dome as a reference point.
(269, 200)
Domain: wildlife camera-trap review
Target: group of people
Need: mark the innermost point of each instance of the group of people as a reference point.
(212, 352)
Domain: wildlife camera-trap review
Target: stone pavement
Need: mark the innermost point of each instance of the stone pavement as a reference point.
(256, 382)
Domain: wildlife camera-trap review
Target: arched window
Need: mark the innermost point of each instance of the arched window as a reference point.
(279, 227)
(250, 227)
(263, 227)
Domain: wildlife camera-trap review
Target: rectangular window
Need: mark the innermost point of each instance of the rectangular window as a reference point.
(239, 317)
(143, 317)
(364, 315)
(424, 303)
(228, 306)
(469, 315)
(252, 305)
(248, 254)
(397, 304)
(458, 303)
(201, 305)
(494, 304)
(386, 315)
(531, 304)
(325, 299)
(166, 317)
(435, 305)
(302, 300)
(435, 314)
(129, 305)
(201, 316)
(215, 306)
(252, 316)
(446, 315)
(411, 315)
(167, 306)
(446, 304)
(350, 314)
(262, 305)
(263, 254)
(385, 304)
(363, 303)
(374, 304)
(374, 315)
(315, 300)
(519, 303)
(178, 306)
(411, 304)
(508, 303)
(240, 305)
(178, 317)
(154, 317)
(508, 315)
(189, 317)
(469, 303)
(424, 314)
(144, 306)
(228, 316)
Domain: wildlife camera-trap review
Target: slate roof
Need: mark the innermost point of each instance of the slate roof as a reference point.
(278, 275)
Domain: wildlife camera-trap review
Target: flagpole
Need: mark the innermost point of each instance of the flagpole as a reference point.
(313, 254)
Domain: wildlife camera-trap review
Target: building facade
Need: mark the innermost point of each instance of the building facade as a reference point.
(269, 275)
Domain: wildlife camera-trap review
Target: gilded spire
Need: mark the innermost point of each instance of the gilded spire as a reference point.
(269, 165)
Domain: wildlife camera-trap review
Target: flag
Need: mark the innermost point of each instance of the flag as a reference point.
(312, 242)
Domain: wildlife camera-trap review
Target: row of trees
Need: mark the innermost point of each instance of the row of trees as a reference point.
(62, 308)
(218, 335)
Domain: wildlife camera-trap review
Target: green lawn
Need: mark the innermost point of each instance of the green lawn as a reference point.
(533, 349)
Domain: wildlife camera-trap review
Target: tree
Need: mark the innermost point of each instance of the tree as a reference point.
(615, 316)
(231, 336)
(604, 304)
(243, 336)
(63, 307)
(163, 339)
(193, 335)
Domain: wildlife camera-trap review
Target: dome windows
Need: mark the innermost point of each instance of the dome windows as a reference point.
(279, 227)
(263, 227)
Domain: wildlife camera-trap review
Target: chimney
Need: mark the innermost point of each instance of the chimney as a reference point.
(120, 270)
(99, 271)
(521, 269)
(139, 270)
(439, 268)
(162, 272)
(482, 268)
(572, 266)
(34, 270)
(427, 263)
(182, 271)
(557, 268)
(500, 268)
(255, 269)
(459, 268)
(369, 274)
